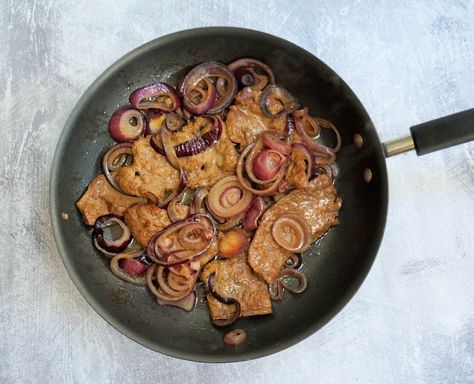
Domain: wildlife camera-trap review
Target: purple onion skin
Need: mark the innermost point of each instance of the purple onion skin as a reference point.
(224, 300)
(244, 78)
(212, 288)
(121, 129)
(98, 234)
(140, 97)
(253, 214)
(196, 145)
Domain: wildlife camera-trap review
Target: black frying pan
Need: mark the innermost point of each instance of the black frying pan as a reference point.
(335, 266)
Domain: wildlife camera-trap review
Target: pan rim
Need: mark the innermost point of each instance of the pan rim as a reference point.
(75, 277)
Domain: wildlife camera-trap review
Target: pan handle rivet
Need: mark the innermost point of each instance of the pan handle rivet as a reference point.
(358, 140)
(367, 175)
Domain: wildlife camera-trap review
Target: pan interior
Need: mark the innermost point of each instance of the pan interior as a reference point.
(335, 266)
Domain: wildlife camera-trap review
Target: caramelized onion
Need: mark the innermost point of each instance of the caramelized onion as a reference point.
(232, 243)
(295, 261)
(187, 303)
(154, 120)
(277, 101)
(122, 273)
(164, 250)
(235, 337)
(195, 145)
(227, 198)
(115, 246)
(215, 76)
(278, 143)
(253, 73)
(253, 214)
(172, 212)
(199, 99)
(270, 189)
(211, 286)
(199, 197)
(292, 233)
(306, 126)
(292, 273)
(155, 96)
(230, 223)
(267, 164)
(181, 187)
(118, 156)
(328, 125)
(169, 148)
(309, 158)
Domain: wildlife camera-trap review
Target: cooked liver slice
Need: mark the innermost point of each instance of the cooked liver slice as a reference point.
(319, 206)
(145, 220)
(235, 279)
(245, 120)
(150, 172)
(101, 199)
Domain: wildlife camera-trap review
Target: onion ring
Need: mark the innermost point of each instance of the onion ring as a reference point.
(139, 280)
(227, 198)
(300, 233)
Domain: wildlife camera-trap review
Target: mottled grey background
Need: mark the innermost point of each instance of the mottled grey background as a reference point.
(408, 61)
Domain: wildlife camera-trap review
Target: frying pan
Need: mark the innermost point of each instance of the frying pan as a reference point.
(335, 266)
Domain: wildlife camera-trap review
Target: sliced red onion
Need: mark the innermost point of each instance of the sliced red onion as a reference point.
(275, 290)
(292, 273)
(169, 148)
(154, 273)
(216, 76)
(302, 120)
(168, 257)
(133, 266)
(235, 337)
(154, 120)
(227, 198)
(199, 196)
(267, 164)
(251, 72)
(197, 144)
(118, 156)
(253, 214)
(328, 125)
(301, 239)
(198, 100)
(246, 184)
(295, 261)
(121, 266)
(183, 183)
(276, 142)
(173, 121)
(277, 101)
(211, 286)
(156, 96)
(230, 223)
(309, 156)
(126, 125)
(187, 303)
(111, 247)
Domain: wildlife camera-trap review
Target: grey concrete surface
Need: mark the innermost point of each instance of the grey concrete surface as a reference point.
(408, 61)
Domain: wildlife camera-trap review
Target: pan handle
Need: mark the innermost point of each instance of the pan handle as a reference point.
(434, 135)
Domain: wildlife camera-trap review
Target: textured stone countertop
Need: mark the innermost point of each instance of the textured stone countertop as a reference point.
(408, 61)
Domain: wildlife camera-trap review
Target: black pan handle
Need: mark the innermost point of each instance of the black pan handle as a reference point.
(435, 135)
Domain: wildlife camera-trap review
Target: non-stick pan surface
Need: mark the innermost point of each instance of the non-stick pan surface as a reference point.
(335, 266)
